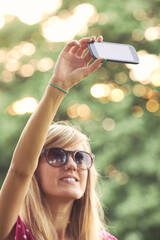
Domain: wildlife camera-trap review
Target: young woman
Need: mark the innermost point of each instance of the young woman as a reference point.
(49, 191)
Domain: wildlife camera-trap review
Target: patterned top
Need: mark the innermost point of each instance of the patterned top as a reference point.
(22, 232)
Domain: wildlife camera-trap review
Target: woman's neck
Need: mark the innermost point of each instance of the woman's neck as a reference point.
(60, 210)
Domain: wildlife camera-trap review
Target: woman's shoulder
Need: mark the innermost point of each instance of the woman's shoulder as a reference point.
(107, 236)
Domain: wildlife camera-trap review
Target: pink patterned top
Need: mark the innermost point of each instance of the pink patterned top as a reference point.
(22, 232)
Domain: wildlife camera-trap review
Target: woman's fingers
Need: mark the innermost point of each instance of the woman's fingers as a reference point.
(70, 45)
(83, 42)
(86, 40)
(93, 67)
(79, 51)
(88, 56)
(74, 49)
(74, 45)
(100, 39)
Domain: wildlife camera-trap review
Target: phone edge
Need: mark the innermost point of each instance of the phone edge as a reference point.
(134, 53)
(90, 45)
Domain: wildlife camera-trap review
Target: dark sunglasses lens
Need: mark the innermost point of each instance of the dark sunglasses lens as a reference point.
(83, 160)
(56, 157)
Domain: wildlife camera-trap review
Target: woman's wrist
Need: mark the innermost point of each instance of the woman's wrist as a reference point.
(53, 96)
(61, 89)
(61, 85)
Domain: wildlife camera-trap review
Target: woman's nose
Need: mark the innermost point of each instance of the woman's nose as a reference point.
(70, 163)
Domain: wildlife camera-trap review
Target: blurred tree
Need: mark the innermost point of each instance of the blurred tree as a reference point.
(120, 114)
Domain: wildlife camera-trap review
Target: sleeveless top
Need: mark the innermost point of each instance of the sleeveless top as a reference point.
(22, 232)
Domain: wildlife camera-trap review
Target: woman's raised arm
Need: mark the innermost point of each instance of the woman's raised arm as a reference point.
(70, 69)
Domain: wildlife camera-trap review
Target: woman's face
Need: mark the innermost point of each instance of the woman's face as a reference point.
(53, 181)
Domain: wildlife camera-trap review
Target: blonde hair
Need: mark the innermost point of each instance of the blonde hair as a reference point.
(87, 219)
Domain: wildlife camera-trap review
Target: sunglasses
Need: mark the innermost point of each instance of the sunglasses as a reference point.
(58, 157)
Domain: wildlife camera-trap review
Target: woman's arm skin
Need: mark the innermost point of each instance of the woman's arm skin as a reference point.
(70, 69)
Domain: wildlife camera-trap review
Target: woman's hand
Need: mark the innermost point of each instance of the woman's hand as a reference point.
(72, 66)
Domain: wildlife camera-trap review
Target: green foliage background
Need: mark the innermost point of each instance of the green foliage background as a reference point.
(127, 157)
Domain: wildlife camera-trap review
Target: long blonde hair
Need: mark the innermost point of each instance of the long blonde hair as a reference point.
(87, 219)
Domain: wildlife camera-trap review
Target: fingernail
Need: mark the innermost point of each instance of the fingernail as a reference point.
(104, 60)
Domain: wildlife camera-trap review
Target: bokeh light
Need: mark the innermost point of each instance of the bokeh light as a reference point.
(149, 64)
(13, 54)
(139, 90)
(117, 95)
(2, 55)
(27, 70)
(154, 94)
(121, 77)
(2, 21)
(100, 90)
(137, 111)
(152, 33)
(139, 14)
(58, 29)
(22, 106)
(45, 64)
(84, 111)
(113, 173)
(106, 92)
(152, 105)
(29, 12)
(108, 124)
(12, 65)
(72, 110)
(27, 48)
(79, 110)
(155, 79)
(6, 76)
(12, 62)
(137, 35)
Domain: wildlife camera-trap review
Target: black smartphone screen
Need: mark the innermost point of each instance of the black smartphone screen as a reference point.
(114, 52)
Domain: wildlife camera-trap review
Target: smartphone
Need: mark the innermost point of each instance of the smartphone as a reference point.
(115, 52)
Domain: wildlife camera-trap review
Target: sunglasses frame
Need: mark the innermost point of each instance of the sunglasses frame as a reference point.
(73, 153)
